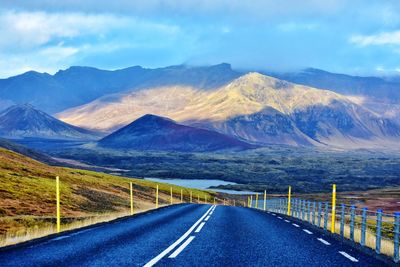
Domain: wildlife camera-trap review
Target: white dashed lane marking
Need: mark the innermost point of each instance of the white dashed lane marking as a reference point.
(200, 227)
(307, 231)
(348, 256)
(295, 225)
(323, 241)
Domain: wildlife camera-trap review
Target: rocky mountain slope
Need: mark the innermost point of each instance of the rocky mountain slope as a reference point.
(380, 95)
(22, 121)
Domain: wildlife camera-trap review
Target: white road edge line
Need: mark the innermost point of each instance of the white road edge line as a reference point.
(295, 225)
(323, 241)
(81, 232)
(208, 217)
(308, 232)
(176, 243)
(60, 238)
(348, 256)
(200, 227)
(182, 247)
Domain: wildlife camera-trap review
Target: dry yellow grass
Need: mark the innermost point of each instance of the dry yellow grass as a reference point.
(387, 245)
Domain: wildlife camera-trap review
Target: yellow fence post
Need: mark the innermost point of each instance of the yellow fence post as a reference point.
(157, 197)
(214, 200)
(234, 202)
(198, 198)
(131, 195)
(333, 208)
(181, 196)
(248, 201)
(265, 200)
(171, 196)
(58, 204)
(288, 203)
(191, 197)
(256, 200)
(205, 199)
(224, 202)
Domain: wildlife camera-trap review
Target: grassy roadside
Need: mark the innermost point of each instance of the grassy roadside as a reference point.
(27, 197)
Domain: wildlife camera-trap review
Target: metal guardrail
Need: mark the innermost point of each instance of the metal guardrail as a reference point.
(375, 229)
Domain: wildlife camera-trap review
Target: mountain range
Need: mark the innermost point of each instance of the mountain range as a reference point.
(80, 85)
(254, 108)
(307, 108)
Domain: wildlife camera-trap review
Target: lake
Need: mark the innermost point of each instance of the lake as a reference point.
(201, 184)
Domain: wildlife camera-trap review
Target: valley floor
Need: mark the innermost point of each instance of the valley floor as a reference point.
(273, 169)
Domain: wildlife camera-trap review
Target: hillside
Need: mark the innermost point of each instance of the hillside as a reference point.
(152, 132)
(254, 108)
(31, 153)
(28, 194)
(22, 121)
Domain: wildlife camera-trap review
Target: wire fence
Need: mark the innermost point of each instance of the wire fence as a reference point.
(375, 229)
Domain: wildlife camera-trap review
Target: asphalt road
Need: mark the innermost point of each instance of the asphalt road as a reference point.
(191, 235)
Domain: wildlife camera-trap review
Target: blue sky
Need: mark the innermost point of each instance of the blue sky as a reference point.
(355, 37)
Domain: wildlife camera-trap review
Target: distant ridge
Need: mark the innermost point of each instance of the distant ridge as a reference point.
(79, 85)
(25, 121)
(151, 132)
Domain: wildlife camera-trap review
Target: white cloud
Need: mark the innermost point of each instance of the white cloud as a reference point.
(293, 26)
(47, 42)
(386, 71)
(59, 51)
(190, 8)
(383, 38)
(30, 29)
